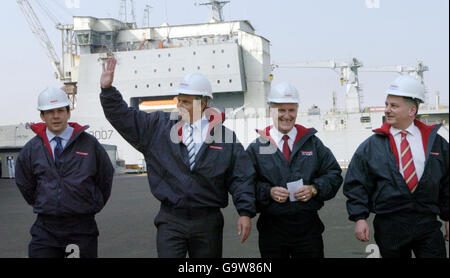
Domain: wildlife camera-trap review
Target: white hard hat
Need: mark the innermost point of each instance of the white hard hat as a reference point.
(52, 98)
(407, 86)
(283, 93)
(195, 84)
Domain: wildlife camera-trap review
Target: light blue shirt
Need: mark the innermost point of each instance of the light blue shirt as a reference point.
(65, 137)
(200, 130)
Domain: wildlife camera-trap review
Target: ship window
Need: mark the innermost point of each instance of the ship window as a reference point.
(134, 57)
(135, 86)
(214, 52)
(159, 55)
(135, 72)
(194, 53)
(168, 55)
(228, 66)
(108, 39)
(223, 51)
(231, 81)
(154, 70)
(213, 67)
(171, 84)
(198, 67)
(159, 85)
(83, 38)
(182, 68)
(169, 69)
(365, 119)
(148, 86)
(342, 122)
(326, 122)
(218, 81)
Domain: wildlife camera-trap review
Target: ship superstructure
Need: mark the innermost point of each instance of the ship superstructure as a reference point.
(236, 60)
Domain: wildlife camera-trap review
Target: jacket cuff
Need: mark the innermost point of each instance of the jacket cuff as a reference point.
(108, 90)
(355, 218)
(247, 213)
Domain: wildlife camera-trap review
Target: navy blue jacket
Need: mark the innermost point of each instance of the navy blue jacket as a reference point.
(310, 160)
(220, 167)
(373, 182)
(79, 185)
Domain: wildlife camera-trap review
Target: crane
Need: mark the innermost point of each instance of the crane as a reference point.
(41, 35)
(416, 71)
(68, 48)
(348, 75)
(349, 72)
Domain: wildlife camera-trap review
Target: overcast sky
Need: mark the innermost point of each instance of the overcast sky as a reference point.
(397, 32)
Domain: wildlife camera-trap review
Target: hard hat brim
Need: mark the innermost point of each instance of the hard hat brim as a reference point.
(193, 93)
(403, 94)
(282, 101)
(53, 106)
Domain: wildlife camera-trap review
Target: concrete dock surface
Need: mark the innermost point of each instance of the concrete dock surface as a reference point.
(127, 230)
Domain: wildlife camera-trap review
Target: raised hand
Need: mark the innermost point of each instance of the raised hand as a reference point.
(107, 77)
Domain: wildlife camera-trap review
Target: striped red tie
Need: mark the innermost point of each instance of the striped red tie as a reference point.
(409, 170)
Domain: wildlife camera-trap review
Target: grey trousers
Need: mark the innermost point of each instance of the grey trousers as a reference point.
(199, 237)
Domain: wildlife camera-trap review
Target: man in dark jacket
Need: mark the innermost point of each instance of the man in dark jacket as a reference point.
(401, 174)
(289, 226)
(66, 175)
(192, 161)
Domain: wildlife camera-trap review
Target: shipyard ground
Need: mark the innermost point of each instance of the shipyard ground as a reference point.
(127, 230)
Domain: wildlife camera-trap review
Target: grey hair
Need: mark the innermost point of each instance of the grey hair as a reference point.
(413, 101)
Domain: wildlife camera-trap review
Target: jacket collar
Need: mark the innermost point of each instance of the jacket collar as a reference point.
(301, 132)
(425, 131)
(213, 115)
(40, 130)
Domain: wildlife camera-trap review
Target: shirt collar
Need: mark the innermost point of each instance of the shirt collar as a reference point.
(197, 124)
(412, 130)
(279, 136)
(65, 135)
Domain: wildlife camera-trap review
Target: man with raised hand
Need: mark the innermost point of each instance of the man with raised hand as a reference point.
(193, 162)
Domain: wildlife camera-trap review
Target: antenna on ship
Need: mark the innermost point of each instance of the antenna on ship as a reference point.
(123, 11)
(146, 20)
(216, 10)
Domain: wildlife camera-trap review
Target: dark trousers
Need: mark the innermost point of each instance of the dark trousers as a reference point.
(60, 237)
(399, 234)
(291, 236)
(193, 235)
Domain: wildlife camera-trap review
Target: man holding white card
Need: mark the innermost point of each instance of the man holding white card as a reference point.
(296, 173)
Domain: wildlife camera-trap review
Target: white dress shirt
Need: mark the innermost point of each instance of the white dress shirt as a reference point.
(277, 136)
(200, 130)
(65, 136)
(414, 138)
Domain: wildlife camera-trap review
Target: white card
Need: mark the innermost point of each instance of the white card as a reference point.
(293, 187)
